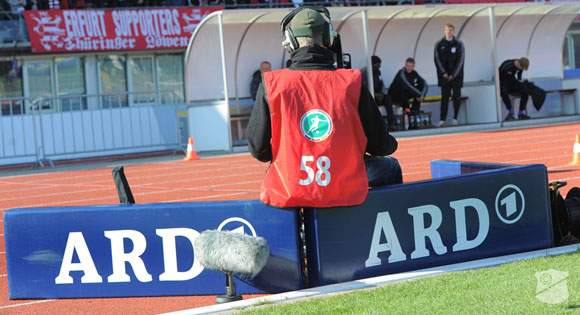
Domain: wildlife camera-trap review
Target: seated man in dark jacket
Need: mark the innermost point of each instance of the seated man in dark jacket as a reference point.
(408, 84)
(510, 76)
(378, 87)
(265, 66)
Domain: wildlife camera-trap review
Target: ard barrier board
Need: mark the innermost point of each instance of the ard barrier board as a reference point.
(140, 249)
(431, 223)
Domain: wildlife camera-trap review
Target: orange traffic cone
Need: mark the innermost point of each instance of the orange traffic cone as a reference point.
(576, 156)
(191, 154)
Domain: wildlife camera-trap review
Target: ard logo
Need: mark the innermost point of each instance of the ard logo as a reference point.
(316, 125)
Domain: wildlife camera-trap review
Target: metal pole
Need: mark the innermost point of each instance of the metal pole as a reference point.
(365, 26)
(494, 63)
(225, 76)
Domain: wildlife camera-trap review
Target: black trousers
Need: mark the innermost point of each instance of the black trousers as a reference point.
(513, 86)
(402, 98)
(385, 101)
(445, 93)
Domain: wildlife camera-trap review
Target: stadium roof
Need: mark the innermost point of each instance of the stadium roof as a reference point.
(391, 32)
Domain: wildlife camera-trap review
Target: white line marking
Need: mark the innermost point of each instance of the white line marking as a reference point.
(22, 304)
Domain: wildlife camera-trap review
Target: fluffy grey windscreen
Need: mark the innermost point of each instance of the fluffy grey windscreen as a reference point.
(232, 251)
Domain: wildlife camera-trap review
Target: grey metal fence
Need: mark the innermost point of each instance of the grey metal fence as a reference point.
(80, 126)
(17, 131)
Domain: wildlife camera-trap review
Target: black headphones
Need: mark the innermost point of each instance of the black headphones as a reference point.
(290, 42)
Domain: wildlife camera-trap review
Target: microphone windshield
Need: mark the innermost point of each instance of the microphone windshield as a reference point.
(232, 252)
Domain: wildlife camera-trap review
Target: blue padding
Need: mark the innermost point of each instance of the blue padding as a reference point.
(36, 240)
(431, 223)
(571, 73)
(444, 168)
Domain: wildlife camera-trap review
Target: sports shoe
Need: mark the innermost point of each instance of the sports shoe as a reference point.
(441, 123)
(454, 122)
(523, 117)
(509, 117)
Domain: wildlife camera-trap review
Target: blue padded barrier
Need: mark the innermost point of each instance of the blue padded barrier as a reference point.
(571, 73)
(443, 168)
(140, 249)
(431, 223)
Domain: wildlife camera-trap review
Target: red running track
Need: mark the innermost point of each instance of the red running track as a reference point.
(236, 177)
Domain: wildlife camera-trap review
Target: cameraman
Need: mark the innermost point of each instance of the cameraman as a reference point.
(314, 123)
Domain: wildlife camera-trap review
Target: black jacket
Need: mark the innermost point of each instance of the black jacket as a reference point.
(508, 71)
(449, 58)
(412, 83)
(256, 80)
(259, 131)
(378, 84)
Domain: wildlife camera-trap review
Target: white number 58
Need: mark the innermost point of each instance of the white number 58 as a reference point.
(322, 164)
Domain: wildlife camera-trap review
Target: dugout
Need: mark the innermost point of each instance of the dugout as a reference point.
(228, 46)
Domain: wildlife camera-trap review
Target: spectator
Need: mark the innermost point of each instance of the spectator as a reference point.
(33, 5)
(379, 87)
(510, 76)
(176, 3)
(449, 58)
(314, 122)
(20, 8)
(298, 3)
(16, 5)
(408, 84)
(54, 4)
(265, 66)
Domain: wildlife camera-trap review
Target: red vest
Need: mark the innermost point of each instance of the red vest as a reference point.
(318, 142)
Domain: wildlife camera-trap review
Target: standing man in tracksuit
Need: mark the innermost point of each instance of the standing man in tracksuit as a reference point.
(408, 84)
(449, 59)
(318, 126)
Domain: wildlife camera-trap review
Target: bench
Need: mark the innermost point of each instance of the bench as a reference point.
(434, 99)
(239, 118)
(562, 92)
(425, 119)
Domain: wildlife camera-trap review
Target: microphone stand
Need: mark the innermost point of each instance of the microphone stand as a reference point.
(230, 295)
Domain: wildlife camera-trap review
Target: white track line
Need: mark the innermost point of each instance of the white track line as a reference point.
(24, 304)
(476, 145)
(207, 197)
(381, 280)
(156, 173)
(66, 193)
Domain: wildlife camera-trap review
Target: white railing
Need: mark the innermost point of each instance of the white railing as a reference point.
(83, 126)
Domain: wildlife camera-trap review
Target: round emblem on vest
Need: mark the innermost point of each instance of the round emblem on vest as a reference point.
(316, 125)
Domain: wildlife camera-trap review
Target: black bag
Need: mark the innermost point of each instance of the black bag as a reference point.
(537, 93)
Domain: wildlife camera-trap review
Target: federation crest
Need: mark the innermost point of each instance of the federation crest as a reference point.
(316, 125)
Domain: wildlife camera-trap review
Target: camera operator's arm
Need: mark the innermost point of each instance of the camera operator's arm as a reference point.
(379, 141)
(259, 131)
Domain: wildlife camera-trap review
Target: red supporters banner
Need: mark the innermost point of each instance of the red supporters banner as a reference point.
(102, 30)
